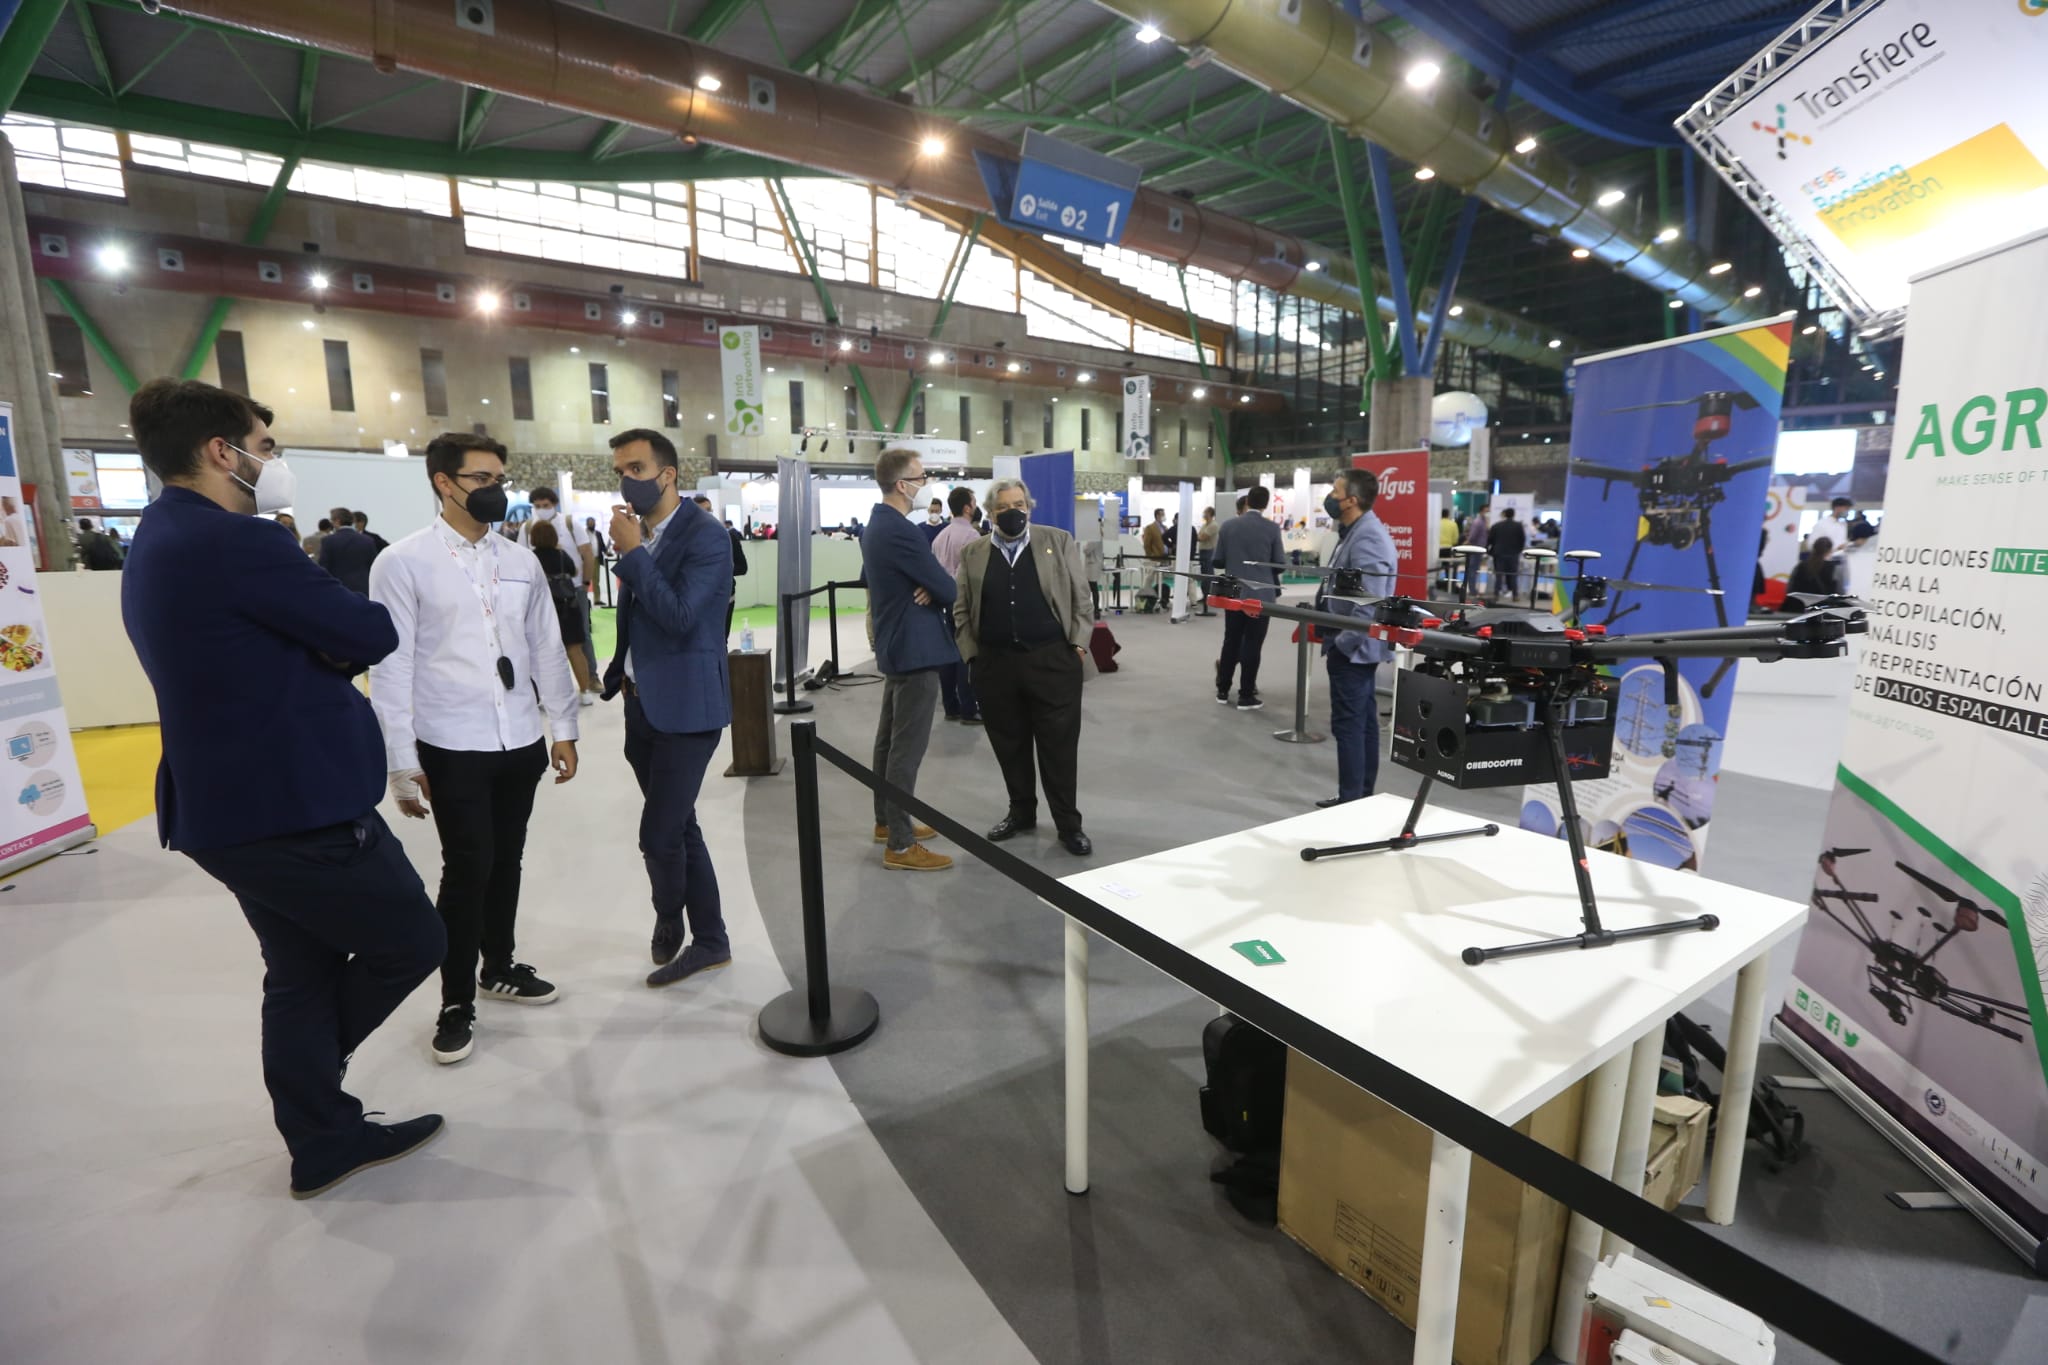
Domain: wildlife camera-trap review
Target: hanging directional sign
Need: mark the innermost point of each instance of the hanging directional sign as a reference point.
(1061, 189)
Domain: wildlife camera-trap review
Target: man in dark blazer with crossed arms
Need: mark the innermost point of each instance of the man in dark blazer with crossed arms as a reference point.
(675, 576)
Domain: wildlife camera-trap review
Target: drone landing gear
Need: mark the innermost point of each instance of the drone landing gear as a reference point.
(1407, 838)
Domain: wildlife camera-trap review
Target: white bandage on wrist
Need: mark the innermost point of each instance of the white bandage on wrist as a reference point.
(405, 784)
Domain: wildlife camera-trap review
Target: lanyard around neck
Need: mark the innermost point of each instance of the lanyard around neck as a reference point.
(486, 596)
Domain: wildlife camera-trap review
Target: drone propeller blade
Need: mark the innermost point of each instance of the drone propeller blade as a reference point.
(1932, 885)
(1845, 852)
(1663, 587)
(1645, 407)
(1925, 913)
(1994, 916)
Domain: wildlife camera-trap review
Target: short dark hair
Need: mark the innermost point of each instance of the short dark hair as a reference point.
(1842, 502)
(890, 465)
(1508, 512)
(1240, 502)
(172, 418)
(701, 500)
(1258, 496)
(361, 520)
(85, 523)
(960, 499)
(446, 452)
(544, 493)
(1360, 484)
(326, 525)
(664, 449)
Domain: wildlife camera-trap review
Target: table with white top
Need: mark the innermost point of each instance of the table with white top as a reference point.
(1371, 946)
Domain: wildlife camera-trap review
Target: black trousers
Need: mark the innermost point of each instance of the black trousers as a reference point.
(347, 932)
(481, 801)
(1507, 581)
(670, 770)
(1031, 704)
(1244, 640)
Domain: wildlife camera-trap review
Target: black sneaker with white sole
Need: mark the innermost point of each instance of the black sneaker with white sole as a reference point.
(517, 983)
(1250, 701)
(454, 1033)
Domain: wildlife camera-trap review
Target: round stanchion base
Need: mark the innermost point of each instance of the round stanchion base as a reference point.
(787, 1026)
(792, 708)
(1298, 737)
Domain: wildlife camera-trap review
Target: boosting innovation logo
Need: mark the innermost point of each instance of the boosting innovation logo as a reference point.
(1785, 134)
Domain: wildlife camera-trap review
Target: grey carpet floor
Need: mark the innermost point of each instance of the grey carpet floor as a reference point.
(962, 1084)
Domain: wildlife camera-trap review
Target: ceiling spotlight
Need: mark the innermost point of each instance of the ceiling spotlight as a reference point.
(1085, 376)
(1555, 343)
(1526, 145)
(1054, 400)
(1244, 398)
(1809, 329)
(575, 350)
(933, 145)
(1199, 393)
(845, 344)
(113, 259)
(1580, 253)
(1609, 198)
(709, 83)
(1423, 75)
(1013, 367)
(307, 324)
(1425, 173)
(487, 303)
(628, 318)
(318, 281)
(771, 369)
(396, 396)
(1457, 310)
(1752, 291)
(1147, 33)
(1720, 268)
(938, 357)
(1669, 234)
(1313, 266)
(1676, 303)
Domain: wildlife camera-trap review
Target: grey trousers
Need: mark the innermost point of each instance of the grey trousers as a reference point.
(901, 734)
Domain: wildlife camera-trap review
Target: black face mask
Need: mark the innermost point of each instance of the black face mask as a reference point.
(642, 495)
(486, 504)
(1011, 521)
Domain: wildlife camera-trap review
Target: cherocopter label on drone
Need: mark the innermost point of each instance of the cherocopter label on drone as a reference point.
(1929, 928)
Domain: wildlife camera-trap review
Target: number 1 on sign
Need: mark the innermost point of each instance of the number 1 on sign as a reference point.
(1112, 218)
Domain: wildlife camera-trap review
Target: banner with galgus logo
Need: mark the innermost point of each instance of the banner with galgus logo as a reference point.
(1671, 456)
(1919, 977)
(739, 367)
(1907, 135)
(1403, 505)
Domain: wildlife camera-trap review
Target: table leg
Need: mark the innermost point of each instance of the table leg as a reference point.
(1738, 1084)
(1443, 1251)
(1599, 1131)
(1632, 1150)
(1077, 1058)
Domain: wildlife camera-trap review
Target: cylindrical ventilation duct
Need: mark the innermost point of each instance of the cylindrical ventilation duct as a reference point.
(1317, 56)
(579, 59)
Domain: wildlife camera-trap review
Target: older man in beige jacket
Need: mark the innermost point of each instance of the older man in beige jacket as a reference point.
(1021, 615)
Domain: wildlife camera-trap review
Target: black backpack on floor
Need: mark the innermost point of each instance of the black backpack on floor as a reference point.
(1241, 1108)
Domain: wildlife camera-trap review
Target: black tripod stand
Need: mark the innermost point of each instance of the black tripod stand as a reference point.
(1594, 934)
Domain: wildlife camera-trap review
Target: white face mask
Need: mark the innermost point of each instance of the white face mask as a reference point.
(275, 484)
(544, 513)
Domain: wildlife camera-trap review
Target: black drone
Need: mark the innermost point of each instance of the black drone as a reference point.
(1678, 494)
(1502, 696)
(1900, 974)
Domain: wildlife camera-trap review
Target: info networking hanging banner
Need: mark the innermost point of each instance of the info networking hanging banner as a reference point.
(1919, 976)
(1671, 461)
(1904, 137)
(43, 810)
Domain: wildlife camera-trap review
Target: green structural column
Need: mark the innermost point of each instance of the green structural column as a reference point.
(93, 335)
(1361, 262)
(1216, 422)
(22, 42)
(259, 228)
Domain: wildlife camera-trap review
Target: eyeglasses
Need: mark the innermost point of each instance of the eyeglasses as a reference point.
(480, 479)
(920, 480)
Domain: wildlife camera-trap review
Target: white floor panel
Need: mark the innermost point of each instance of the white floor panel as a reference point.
(627, 1175)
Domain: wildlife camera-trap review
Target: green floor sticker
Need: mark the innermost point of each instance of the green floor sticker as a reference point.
(1258, 952)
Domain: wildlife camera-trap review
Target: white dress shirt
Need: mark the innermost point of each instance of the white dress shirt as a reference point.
(441, 685)
(648, 542)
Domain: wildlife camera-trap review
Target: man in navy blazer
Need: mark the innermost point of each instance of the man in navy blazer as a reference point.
(675, 576)
(348, 553)
(910, 600)
(273, 763)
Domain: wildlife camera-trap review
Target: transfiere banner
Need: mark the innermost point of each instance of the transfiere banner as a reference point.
(739, 367)
(1919, 977)
(1905, 137)
(43, 810)
(1672, 446)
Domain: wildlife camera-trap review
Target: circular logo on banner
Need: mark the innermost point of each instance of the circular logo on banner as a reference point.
(2034, 9)
(1936, 1105)
(32, 743)
(731, 341)
(43, 793)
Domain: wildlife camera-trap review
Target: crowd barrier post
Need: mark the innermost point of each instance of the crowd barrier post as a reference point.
(817, 1020)
(790, 704)
(1303, 656)
(832, 622)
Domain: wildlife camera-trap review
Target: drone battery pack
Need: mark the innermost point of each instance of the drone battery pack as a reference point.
(1470, 743)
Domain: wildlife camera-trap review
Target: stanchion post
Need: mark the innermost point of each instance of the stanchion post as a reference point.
(832, 622)
(790, 704)
(817, 1020)
(1300, 734)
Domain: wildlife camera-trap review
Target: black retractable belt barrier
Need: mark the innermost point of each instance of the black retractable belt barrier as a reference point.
(1790, 1305)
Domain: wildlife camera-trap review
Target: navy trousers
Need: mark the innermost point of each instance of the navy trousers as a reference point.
(1354, 725)
(670, 770)
(347, 932)
(956, 692)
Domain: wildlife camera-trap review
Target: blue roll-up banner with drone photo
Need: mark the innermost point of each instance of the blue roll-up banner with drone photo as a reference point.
(1917, 990)
(1671, 456)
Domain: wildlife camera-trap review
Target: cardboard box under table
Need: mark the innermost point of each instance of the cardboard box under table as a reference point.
(1368, 949)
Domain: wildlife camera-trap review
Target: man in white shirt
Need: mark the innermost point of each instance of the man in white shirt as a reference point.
(460, 702)
(547, 506)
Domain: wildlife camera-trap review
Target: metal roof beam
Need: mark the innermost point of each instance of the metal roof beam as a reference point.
(1601, 15)
(1689, 46)
(94, 48)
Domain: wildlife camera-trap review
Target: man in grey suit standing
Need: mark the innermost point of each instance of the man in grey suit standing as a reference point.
(1247, 547)
(1022, 617)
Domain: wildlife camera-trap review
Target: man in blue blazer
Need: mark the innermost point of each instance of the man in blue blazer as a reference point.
(675, 576)
(910, 600)
(348, 553)
(273, 763)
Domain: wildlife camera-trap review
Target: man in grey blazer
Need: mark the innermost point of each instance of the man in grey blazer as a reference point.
(1021, 615)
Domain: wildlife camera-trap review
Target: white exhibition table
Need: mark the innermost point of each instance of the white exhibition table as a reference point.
(1371, 945)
